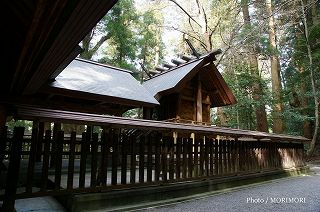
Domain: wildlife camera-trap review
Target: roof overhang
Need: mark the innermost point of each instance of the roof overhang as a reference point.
(41, 36)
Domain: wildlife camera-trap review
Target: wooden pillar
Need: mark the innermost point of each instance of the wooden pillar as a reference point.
(124, 153)
(56, 128)
(147, 113)
(157, 156)
(115, 156)
(102, 175)
(89, 132)
(71, 160)
(133, 160)
(199, 101)
(3, 115)
(3, 134)
(13, 171)
(40, 141)
(45, 161)
(32, 156)
(83, 160)
(94, 165)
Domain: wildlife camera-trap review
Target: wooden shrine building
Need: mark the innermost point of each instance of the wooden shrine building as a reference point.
(186, 92)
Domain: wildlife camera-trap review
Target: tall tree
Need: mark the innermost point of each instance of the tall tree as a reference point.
(261, 116)
(312, 77)
(278, 124)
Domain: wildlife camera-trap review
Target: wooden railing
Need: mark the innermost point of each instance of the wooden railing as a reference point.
(125, 154)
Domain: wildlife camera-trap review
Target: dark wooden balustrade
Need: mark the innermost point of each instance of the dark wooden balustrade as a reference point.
(127, 155)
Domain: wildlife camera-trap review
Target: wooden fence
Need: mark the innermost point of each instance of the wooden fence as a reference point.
(50, 163)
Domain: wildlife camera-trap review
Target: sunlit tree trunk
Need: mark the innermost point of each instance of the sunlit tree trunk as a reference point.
(278, 124)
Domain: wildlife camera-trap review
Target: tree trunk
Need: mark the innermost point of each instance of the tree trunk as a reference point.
(313, 143)
(222, 117)
(261, 116)
(307, 132)
(278, 125)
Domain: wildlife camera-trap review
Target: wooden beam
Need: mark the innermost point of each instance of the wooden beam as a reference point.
(167, 65)
(161, 69)
(177, 62)
(31, 113)
(186, 58)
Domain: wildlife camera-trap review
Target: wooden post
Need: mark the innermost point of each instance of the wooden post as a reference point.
(234, 155)
(225, 162)
(149, 159)
(229, 156)
(141, 159)
(83, 160)
(178, 157)
(164, 159)
(104, 158)
(133, 160)
(3, 115)
(216, 157)
(211, 152)
(115, 156)
(206, 159)
(56, 128)
(94, 152)
(3, 144)
(32, 156)
(196, 156)
(171, 159)
(40, 141)
(190, 157)
(236, 146)
(221, 158)
(45, 162)
(157, 157)
(124, 152)
(147, 113)
(202, 151)
(185, 159)
(3, 135)
(71, 160)
(58, 159)
(13, 170)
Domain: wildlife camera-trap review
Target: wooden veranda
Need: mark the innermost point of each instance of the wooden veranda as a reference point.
(130, 153)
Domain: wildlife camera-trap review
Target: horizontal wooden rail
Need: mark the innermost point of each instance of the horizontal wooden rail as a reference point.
(31, 113)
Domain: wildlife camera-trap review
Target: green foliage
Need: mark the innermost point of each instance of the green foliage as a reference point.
(122, 46)
(149, 40)
(134, 36)
(242, 115)
(133, 113)
(20, 123)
